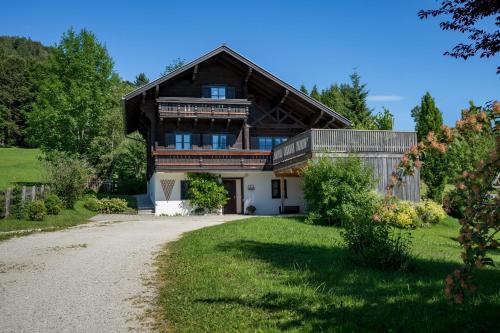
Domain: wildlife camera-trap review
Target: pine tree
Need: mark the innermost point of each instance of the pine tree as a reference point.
(140, 80)
(315, 93)
(428, 118)
(304, 89)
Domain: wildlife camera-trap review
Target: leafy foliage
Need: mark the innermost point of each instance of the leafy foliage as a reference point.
(349, 100)
(335, 191)
(112, 205)
(481, 220)
(400, 214)
(68, 176)
(74, 97)
(428, 119)
(454, 203)
(467, 17)
(175, 64)
(21, 69)
(430, 212)
(53, 204)
(36, 210)
(140, 80)
(376, 244)
(205, 192)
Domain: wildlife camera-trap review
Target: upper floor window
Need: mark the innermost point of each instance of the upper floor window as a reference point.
(219, 141)
(182, 141)
(268, 142)
(218, 91)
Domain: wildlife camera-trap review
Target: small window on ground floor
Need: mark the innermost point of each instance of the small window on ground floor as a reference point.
(276, 189)
(184, 189)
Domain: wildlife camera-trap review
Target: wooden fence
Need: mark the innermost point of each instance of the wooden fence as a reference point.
(26, 194)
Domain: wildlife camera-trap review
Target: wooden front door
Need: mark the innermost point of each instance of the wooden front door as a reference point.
(230, 186)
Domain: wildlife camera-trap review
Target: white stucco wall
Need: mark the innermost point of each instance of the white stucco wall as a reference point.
(260, 197)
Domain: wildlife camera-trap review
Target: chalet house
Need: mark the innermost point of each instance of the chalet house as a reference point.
(224, 115)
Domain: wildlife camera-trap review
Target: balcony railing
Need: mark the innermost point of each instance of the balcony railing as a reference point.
(174, 107)
(343, 141)
(204, 160)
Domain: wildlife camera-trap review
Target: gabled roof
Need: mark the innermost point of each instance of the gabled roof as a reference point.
(224, 49)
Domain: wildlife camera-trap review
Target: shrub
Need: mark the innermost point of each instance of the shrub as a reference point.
(91, 203)
(430, 212)
(401, 214)
(36, 210)
(454, 203)
(53, 204)
(336, 190)
(205, 192)
(377, 244)
(112, 205)
(18, 208)
(68, 177)
(251, 210)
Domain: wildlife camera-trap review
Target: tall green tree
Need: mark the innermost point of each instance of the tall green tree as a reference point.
(427, 117)
(315, 93)
(435, 171)
(75, 96)
(303, 89)
(350, 100)
(21, 67)
(140, 80)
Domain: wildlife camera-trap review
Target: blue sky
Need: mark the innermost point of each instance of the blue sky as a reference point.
(398, 55)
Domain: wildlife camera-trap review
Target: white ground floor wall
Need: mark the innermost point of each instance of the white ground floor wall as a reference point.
(252, 188)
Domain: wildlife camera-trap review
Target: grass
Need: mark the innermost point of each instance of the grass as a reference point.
(67, 218)
(19, 165)
(279, 274)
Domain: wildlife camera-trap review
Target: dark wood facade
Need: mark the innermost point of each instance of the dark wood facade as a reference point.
(258, 106)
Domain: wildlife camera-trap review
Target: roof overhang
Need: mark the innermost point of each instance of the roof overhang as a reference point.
(224, 49)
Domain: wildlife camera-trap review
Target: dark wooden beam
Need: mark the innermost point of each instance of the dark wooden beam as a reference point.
(317, 118)
(157, 91)
(249, 73)
(195, 73)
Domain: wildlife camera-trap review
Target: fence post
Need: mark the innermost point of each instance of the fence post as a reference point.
(33, 193)
(23, 194)
(7, 201)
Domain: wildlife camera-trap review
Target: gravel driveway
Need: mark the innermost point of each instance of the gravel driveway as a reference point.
(88, 278)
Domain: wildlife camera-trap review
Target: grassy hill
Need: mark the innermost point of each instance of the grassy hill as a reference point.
(19, 165)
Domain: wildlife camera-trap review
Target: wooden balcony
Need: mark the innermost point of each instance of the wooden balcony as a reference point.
(380, 149)
(188, 107)
(211, 160)
(341, 142)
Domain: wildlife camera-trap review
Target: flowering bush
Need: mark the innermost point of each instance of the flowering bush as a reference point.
(429, 211)
(400, 214)
(481, 220)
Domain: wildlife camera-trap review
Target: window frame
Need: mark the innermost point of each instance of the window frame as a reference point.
(271, 141)
(184, 195)
(229, 91)
(183, 141)
(278, 194)
(219, 136)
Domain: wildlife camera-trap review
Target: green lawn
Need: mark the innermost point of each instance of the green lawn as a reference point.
(67, 218)
(279, 274)
(19, 165)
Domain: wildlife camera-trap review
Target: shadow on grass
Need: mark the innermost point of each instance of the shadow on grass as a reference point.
(322, 289)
